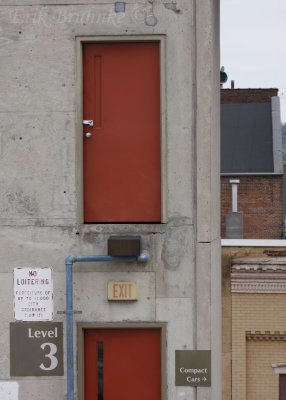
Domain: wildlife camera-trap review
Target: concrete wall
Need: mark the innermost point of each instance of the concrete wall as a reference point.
(39, 206)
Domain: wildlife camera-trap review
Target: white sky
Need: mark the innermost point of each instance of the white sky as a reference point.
(253, 45)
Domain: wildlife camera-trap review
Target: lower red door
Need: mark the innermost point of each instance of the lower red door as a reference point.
(122, 364)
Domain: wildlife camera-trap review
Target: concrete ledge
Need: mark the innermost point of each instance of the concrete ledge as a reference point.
(253, 243)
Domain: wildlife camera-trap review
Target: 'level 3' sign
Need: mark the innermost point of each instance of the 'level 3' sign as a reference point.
(36, 349)
(122, 291)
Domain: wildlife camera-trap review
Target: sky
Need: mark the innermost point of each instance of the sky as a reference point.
(253, 45)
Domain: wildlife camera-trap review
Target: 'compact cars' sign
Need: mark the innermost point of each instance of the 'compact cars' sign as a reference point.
(193, 367)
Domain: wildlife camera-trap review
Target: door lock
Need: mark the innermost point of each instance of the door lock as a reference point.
(88, 122)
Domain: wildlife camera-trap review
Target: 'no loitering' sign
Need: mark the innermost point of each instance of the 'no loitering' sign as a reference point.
(33, 294)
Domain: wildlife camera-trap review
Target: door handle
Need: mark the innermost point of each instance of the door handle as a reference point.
(88, 122)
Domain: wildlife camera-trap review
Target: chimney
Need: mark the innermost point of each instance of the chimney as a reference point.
(234, 219)
(234, 183)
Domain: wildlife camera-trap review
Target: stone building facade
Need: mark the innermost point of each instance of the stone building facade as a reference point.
(253, 294)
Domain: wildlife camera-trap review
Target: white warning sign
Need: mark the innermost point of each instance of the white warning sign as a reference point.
(33, 294)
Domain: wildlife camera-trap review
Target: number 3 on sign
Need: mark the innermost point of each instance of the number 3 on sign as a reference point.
(51, 356)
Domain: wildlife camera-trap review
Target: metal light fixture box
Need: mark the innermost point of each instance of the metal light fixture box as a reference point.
(124, 246)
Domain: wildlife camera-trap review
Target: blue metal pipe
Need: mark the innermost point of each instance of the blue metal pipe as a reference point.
(69, 329)
(70, 260)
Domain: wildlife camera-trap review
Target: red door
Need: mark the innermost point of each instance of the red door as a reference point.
(122, 156)
(122, 364)
(282, 386)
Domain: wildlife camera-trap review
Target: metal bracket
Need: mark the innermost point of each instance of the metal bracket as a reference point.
(69, 312)
(88, 122)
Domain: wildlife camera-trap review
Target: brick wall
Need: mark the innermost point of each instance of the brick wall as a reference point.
(235, 96)
(260, 201)
(264, 312)
(251, 361)
(259, 358)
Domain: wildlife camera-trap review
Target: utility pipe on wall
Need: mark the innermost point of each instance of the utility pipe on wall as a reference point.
(70, 260)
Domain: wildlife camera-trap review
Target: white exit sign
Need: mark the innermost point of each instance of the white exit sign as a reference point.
(122, 291)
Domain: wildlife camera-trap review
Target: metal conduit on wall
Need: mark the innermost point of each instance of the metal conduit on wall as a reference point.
(70, 260)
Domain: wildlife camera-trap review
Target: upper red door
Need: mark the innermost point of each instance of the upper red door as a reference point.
(122, 364)
(122, 157)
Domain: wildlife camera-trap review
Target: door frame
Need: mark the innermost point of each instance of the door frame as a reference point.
(82, 326)
(80, 40)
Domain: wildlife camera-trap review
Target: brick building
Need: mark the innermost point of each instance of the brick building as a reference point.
(251, 152)
(253, 271)
(260, 200)
(254, 330)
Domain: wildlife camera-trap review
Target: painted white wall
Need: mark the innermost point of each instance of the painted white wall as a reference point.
(9, 390)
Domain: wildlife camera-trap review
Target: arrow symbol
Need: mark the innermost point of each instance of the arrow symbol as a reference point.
(204, 378)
